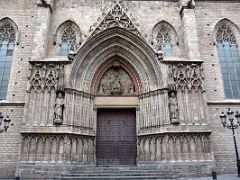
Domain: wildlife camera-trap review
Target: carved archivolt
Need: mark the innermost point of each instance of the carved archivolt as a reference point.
(116, 18)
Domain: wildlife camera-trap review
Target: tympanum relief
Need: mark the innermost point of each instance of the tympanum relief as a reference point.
(116, 81)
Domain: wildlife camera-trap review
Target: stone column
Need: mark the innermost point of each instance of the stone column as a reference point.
(43, 19)
(187, 8)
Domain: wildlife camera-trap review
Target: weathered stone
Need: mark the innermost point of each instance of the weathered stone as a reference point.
(48, 140)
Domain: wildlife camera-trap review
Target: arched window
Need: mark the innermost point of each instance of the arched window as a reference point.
(68, 41)
(229, 60)
(68, 37)
(163, 37)
(7, 43)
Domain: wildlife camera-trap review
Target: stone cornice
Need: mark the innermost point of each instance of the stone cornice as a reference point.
(226, 102)
(53, 129)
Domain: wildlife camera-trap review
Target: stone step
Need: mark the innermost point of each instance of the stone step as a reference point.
(118, 173)
(113, 177)
(115, 174)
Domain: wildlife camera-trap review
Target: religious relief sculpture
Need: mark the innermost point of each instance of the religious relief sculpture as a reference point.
(116, 81)
(58, 109)
(173, 108)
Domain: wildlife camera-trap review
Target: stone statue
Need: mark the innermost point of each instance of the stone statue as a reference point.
(187, 3)
(58, 109)
(116, 85)
(60, 79)
(173, 108)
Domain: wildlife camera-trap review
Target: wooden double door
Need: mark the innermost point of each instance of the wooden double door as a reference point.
(116, 142)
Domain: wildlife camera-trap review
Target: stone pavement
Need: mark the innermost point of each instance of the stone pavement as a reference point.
(219, 177)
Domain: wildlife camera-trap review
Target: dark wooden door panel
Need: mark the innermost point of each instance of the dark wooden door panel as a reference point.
(116, 137)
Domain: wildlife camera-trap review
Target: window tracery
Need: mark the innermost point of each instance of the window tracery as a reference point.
(163, 35)
(229, 60)
(68, 40)
(7, 40)
(225, 34)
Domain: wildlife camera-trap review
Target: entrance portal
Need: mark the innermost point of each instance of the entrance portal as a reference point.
(116, 137)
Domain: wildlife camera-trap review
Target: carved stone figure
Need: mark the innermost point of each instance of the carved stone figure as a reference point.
(116, 85)
(116, 81)
(58, 110)
(188, 3)
(60, 78)
(173, 108)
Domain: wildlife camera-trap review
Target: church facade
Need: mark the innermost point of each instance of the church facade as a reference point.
(118, 83)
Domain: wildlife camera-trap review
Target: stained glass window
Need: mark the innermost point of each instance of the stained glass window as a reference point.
(229, 61)
(7, 39)
(68, 41)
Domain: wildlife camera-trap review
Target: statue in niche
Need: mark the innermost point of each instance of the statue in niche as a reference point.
(173, 108)
(58, 109)
(60, 78)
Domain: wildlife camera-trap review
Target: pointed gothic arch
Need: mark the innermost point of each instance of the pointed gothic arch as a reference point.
(227, 38)
(9, 21)
(109, 43)
(124, 68)
(8, 37)
(164, 37)
(68, 33)
(233, 27)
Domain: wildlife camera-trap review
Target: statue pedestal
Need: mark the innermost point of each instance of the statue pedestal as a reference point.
(175, 121)
(57, 121)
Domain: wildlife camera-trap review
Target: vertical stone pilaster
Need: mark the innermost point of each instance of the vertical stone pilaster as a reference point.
(43, 19)
(190, 32)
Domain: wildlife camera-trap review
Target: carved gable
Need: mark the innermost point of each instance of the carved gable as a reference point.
(116, 17)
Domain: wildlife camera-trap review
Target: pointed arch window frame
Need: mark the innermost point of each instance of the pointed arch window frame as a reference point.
(227, 47)
(64, 43)
(9, 37)
(164, 37)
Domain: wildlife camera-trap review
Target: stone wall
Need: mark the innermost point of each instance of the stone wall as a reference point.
(10, 141)
(37, 29)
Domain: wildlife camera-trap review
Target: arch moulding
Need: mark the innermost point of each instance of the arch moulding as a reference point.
(95, 56)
